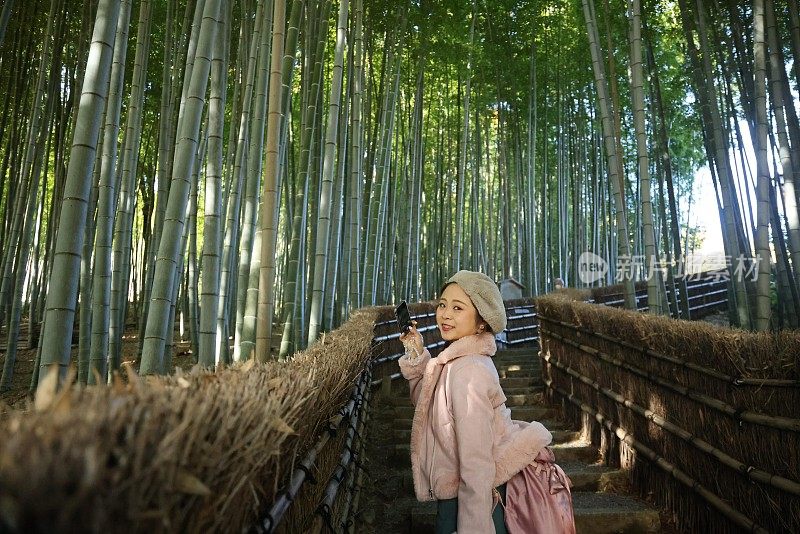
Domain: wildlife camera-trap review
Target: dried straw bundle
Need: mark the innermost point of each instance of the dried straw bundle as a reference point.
(334, 362)
(671, 390)
(741, 353)
(201, 451)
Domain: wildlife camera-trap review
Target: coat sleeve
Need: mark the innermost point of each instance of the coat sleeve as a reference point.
(473, 416)
(413, 370)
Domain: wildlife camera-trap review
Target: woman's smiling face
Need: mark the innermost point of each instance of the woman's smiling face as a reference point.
(456, 316)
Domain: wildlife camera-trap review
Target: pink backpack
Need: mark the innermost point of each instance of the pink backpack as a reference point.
(538, 499)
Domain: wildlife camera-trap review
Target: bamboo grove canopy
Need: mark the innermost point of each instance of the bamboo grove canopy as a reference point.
(254, 170)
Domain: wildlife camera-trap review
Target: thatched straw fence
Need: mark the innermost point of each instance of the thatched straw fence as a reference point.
(706, 419)
(194, 452)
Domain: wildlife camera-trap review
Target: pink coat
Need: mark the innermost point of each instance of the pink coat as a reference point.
(463, 441)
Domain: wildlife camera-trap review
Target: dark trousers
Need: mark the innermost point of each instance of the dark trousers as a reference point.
(447, 515)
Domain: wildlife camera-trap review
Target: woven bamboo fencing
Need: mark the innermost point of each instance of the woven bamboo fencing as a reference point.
(194, 452)
(707, 293)
(706, 419)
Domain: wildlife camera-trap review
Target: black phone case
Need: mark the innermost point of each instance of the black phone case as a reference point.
(403, 317)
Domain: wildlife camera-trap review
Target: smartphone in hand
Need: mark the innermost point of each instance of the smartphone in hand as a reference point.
(403, 317)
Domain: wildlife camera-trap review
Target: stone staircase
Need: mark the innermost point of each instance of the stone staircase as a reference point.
(391, 506)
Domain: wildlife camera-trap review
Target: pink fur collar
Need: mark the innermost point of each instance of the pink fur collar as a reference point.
(482, 344)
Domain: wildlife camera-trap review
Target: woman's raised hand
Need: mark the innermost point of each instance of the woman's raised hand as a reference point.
(412, 342)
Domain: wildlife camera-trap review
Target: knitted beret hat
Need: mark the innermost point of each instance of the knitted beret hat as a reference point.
(484, 294)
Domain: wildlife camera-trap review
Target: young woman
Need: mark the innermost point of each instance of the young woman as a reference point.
(464, 445)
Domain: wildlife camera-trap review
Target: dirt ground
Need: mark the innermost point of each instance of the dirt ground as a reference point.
(18, 396)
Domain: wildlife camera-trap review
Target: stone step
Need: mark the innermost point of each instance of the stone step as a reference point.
(403, 435)
(583, 477)
(595, 513)
(519, 373)
(523, 355)
(515, 370)
(578, 450)
(530, 365)
(593, 477)
(399, 455)
(565, 452)
(522, 358)
(518, 382)
(399, 387)
(564, 436)
(404, 412)
(532, 413)
(554, 425)
(549, 422)
(400, 424)
(398, 400)
(513, 353)
(522, 399)
(524, 390)
(608, 512)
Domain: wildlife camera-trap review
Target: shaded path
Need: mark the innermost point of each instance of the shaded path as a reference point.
(601, 504)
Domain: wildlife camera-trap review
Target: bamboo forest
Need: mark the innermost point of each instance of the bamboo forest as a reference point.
(221, 188)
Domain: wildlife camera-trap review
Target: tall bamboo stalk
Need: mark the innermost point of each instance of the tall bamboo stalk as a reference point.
(654, 281)
(269, 204)
(356, 168)
(158, 318)
(256, 54)
(212, 243)
(763, 309)
(106, 203)
(328, 172)
(127, 186)
(253, 175)
(62, 297)
(789, 166)
(610, 142)
(462, 159)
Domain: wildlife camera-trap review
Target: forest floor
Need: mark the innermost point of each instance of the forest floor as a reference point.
(18, 396)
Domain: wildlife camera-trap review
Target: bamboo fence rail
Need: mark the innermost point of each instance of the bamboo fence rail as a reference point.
(750, 471)
(713, 373)
(716, 409)
(731, 513)
(740, 414)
